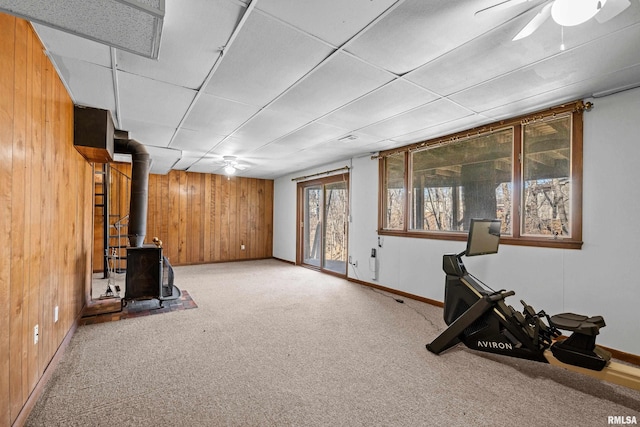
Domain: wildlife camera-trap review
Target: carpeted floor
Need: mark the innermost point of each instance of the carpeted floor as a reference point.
(272, 344)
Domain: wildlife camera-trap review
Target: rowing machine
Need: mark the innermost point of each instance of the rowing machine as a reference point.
(482, 320)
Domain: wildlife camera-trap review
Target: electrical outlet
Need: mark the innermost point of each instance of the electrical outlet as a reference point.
(55, 314)
(35, 334)
(242, 247)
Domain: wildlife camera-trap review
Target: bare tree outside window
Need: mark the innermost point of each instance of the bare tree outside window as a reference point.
(456, 182)
(547, 172)
(394, 206)
(525, 171)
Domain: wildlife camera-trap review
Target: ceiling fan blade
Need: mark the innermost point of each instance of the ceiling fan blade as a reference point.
(536, 22)
(611, 9)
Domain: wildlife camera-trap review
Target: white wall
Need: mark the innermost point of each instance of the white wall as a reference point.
(599, 279)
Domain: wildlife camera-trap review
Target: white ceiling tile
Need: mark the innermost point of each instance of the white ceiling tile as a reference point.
(336, 82)
(71, 46)
(195, 141)
(423, 117)
(218, 116)
(90, 84)
(587, 61)
(188, 158)
(619, 80)
(191, 39)
(309, 135)
(265, 59)
(200, 167)
(394, 98)
(494, 53)
(234, 146)
(163, 159)
(152, 101)
(334, 21)
(269, 125)
(345, 148)
(114, 23)
(417, 32)
(275, 151)
(149, 134)
(438, 130)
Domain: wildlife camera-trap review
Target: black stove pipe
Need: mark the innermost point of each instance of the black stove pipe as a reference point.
(140, 165)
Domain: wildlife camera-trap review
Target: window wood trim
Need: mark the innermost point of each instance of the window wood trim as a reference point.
(574, 242)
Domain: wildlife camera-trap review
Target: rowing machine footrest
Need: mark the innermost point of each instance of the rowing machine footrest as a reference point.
(580, 348)
(595, 359)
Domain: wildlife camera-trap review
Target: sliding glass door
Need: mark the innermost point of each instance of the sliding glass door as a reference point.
(322, 234)
(312, 226)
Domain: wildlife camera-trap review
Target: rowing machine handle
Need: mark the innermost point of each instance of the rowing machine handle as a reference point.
(500, 295)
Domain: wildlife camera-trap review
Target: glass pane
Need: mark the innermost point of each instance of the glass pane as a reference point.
(312, 225)
(547, 177)
(456, 182)
(395, 192)
(335, 227)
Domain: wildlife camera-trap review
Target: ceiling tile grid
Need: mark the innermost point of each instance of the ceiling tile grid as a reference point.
(581, 63)
(151, 101)
(195, 140)
(494, 54)
(441, 110)
(90, 84)
(339, 80)
(296, 77)
(396, 97)
(212, 115)
(191, 40)
(268, 125)
(264, 60)
(417, 32)
(152, 134)
(307, 136)
(70, 46)
(334, 21)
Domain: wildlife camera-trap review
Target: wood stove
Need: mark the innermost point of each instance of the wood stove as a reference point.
(149, 275)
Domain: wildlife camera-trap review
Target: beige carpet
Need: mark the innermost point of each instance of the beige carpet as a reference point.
(271, 344)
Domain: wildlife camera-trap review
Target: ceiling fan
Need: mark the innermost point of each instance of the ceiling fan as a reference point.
(564, 12)
(230, 165)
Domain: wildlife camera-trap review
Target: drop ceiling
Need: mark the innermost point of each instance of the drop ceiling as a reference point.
(279, 83)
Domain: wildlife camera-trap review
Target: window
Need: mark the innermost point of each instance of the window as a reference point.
(526, 172)
(394, 197)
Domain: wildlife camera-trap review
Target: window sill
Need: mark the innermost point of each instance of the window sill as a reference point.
(504, 240)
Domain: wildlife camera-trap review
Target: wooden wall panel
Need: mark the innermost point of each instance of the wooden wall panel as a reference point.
(45, 215)
(7, 77)
(204, 218)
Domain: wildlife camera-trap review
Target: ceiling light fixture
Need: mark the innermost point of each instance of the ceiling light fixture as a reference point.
(229, 170)
(575, 12)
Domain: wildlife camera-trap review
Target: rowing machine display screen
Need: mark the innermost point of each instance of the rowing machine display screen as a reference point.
(484, 237)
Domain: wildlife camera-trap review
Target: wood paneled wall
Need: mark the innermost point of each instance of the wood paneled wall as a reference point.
(204, 218)
(45, 215)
